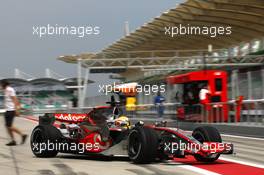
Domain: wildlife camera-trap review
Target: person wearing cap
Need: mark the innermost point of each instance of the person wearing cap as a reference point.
(12, 107)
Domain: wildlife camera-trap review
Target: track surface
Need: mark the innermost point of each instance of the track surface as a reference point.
(19, 160)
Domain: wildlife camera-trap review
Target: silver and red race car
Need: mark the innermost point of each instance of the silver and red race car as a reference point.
(105, 131)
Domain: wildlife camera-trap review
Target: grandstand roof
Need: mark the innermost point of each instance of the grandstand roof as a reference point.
(74, 81)
(244, 16)
(17, 81)
(46, 81)
(68, 82)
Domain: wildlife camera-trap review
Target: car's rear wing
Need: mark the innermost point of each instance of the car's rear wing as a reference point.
(50, 118)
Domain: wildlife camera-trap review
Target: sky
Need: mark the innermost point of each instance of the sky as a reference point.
(19, 48)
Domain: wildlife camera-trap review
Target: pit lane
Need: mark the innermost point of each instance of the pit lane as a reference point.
(19, 160)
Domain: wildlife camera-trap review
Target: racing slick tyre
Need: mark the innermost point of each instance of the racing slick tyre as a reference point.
(43, 141)
(207, 134)
(142, 145)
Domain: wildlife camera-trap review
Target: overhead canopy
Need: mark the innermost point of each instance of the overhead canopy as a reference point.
(244, 16)
(74, 58)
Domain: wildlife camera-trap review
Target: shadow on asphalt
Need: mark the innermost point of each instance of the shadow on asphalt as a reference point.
(94, 157)
(194, 163)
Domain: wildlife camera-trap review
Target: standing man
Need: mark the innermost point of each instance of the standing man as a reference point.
(12, 107)
(158, 101)
(204, 96)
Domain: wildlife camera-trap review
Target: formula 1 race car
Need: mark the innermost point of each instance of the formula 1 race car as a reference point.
(105, 131)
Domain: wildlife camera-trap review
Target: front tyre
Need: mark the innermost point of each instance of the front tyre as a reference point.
(142, 145)
(207, 134)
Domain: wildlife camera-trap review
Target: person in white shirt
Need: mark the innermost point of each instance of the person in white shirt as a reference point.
(203, 94)
(12, 107)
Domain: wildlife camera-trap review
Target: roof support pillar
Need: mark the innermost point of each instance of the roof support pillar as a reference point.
(249, 78)
(234, 84)
(79, 81)
(87, 72)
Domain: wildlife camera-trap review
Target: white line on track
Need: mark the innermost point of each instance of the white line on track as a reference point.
(197, 170)
(242, 162)
(243, 137)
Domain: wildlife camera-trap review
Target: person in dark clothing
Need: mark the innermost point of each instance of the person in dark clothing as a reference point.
(12, 107)
(159, 103)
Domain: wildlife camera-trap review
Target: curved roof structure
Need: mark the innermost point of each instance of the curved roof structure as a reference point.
(244, 16)
(17, 81)
(74, 81)
(150, 47)
(46, 81)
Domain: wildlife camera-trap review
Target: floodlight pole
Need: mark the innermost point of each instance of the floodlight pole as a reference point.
(17, 73)
(127, 28)
(79, 81)
(47, 73)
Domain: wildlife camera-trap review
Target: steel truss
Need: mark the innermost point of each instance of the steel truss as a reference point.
(175, 62)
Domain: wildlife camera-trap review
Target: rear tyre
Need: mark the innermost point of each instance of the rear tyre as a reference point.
(142, 145)
(207, 134)
(42, 139)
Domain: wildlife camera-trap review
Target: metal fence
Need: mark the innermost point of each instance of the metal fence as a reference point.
(248, 84)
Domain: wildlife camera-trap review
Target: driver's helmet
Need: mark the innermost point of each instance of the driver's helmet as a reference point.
(122, 121)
